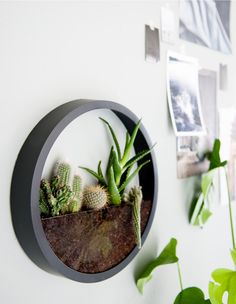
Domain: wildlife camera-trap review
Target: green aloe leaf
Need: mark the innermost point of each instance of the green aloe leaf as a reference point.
(233, 255)
(128, 180)
(100, 170)
(127, 138)
(110, 160)
(191, 295)
(113, 136)
(97, 176)
(130, 145)
(224, 282)
(167, 256)
(114, 194)
(116, 167)
(137, 157)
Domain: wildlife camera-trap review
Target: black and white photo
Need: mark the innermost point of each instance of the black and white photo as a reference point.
(191, 149)
(206, 23)
(183, 95)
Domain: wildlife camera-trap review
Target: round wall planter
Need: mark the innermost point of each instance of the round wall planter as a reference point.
(35, 234)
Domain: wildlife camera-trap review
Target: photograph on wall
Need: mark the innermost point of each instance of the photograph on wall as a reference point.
(191, 149)
(228, 145)
(206, 23)
(152, 44)
(183, 95)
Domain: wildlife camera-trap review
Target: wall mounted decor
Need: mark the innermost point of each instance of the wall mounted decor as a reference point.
(183, 95)
(89, 245)
(206, 23)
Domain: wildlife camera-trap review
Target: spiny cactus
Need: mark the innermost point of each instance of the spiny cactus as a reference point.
(63, 171)
(119, 168)
(57, 196)
(94, 197)
(135, 197)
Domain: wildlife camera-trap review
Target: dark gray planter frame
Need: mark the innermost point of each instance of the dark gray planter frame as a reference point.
(28, 172)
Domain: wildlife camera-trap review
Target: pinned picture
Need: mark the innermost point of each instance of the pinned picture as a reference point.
(152, 45)
(191, 150)
(183, 95)
(206, 23)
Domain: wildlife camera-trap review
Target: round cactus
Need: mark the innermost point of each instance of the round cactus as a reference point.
(94, 197)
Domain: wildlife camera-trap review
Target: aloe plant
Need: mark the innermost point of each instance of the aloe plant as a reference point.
(200, 210)
(119, 167)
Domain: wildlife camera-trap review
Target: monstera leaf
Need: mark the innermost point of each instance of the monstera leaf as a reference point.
(224, 282)
(167, 256)
(191, 295)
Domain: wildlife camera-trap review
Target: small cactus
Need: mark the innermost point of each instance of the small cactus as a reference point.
(94, 197)
(63, 171)
(57, 196)
(134, 197)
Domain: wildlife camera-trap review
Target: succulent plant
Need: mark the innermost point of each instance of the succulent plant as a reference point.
(94, 197)
(57, 196)
(119, 168)
(135, 197)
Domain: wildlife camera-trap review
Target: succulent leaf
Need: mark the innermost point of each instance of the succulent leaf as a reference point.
(113, 137)
(114, 194)
(130, 145)
(129, 178)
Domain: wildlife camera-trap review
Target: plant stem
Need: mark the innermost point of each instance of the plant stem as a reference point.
(230, 212)
(180, 277)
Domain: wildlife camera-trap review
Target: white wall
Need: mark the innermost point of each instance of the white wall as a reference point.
(55, 52)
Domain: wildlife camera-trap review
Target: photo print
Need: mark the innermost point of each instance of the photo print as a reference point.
(152, 44)
(191, 149)
(183, 95)
(206, 23)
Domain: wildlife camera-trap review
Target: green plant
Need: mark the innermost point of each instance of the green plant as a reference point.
(200, 210)
(56, 196)
(224, 280)
(94, 197)
(190, 295)
(119, 167)
(134, 197)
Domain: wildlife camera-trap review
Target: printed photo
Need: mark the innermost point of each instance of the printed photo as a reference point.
(207, 23)
(191, 149)
(183, 95)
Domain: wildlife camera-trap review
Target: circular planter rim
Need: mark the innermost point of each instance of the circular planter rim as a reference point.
(28, 173)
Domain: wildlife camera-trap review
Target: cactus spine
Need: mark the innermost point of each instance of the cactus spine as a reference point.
(57, 196)
(134, 197)
(94, 197)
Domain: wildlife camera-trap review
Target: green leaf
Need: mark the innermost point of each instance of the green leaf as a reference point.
(110, 160)
(204, 216)
(196, 206)
(167, 256)
(137, 157)
(113, 136)
(114, 194)
(191, 295)
(97, 176)
(233, 255)
(130, 145)
(116, 167)
(127, 138)
(128, 180)
(224, 282)
(207, 181)
(214, 156)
